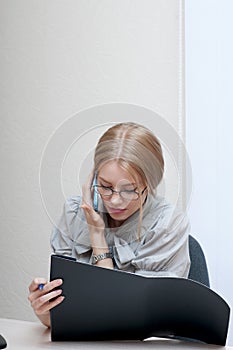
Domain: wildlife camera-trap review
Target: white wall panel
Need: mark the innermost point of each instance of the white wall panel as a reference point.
(209, 109)
(59, 57)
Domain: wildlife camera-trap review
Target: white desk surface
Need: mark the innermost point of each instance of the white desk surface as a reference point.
(33, 335)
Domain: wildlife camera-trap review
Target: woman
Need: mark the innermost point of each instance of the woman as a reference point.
(133, 229)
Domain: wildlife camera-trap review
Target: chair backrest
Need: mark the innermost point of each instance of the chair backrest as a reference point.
(198, 269)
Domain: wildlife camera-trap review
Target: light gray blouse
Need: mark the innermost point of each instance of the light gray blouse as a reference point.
(162, 249)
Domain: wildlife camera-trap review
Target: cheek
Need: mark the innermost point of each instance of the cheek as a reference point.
(133, 206)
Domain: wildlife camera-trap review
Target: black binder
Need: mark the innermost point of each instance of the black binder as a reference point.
(3, 343)
(105, 304)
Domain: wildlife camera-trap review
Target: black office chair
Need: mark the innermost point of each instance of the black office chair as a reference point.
(198, 269)
(199, 273)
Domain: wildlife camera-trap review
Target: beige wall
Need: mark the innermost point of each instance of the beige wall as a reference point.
(59, 58)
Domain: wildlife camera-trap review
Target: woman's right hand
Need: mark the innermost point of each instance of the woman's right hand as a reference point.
(41, 300)
(94, 220)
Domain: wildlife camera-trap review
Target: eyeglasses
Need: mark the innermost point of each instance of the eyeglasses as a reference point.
(130, 195)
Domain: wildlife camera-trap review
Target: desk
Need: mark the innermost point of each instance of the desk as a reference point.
(23, 335)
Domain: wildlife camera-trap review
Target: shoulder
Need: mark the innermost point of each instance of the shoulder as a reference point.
(72, 217)
(158, 210)
(164, 217)
(72, 204)
(160, 205)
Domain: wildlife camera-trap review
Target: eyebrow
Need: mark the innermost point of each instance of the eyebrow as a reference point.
(124, 184)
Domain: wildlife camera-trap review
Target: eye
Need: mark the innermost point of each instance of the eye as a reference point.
(129, 191)
(129, 188)
(105, 186)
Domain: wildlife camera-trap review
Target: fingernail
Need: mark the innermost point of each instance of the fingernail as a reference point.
(58, 291)
(61, 298)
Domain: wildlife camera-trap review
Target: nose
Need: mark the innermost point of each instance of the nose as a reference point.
(116, 198)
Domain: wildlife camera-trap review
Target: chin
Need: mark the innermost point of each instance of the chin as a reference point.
(118, 217)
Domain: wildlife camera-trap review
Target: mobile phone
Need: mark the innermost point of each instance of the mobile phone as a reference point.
(95, 194)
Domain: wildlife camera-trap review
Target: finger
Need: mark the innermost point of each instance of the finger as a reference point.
(50, 305)
(52, 285)
(36, 293)
(86, 208)
(44, 299)
(87, 189)
(90, 213)
(86, 195)
(35, 283)
(90, 179)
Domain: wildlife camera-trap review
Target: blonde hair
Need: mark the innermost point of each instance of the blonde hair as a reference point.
(137, 150)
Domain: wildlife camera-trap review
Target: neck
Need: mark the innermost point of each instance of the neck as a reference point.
(114, 223)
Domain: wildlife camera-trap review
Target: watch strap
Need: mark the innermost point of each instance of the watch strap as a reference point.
(102, 256)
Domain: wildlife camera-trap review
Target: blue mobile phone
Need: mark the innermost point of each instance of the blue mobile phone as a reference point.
(95, 194)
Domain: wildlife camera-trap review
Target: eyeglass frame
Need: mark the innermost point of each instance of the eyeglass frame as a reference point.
(119, 192)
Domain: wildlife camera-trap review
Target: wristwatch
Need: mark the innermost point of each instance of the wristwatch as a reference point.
(102, 256)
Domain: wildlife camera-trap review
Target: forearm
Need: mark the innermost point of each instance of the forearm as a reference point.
(97, 232)
(99, 246)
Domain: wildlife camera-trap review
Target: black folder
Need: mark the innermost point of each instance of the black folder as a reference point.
(105, 304)
(3, 343)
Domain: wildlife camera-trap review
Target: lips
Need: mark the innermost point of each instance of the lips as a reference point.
(116, 210)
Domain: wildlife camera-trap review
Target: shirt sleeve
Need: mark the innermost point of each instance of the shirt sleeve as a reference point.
(61, 238)
(165, 252)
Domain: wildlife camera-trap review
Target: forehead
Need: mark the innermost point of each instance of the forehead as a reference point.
(114, 173)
